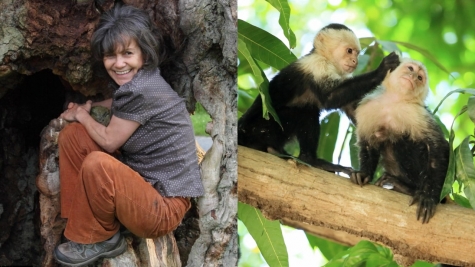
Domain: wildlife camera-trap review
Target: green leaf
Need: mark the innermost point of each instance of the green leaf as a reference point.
(365, 253)
(461, 91)
(465, 171)
(450, 176)
(328, 136)
(266, 233)
(366, 41)
(372, 57)
(259, 77)
(461, 200)
(283, 7)
(424, 52)
(264, 46)
(261, 81)
(442, 126)
(363, 61)
(451, 171)
(389, 46)
(422, 264)
(378, 260)
(328, 248)
(245, 100)
(471, 108)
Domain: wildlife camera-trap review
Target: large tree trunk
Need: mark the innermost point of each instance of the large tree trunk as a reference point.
(332, 207)
(211, 26)
(37, 36)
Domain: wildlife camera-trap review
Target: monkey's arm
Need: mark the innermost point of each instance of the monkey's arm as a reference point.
(355, 88)
(369, 158)
(427, 194)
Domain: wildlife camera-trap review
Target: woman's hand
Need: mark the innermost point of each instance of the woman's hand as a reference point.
(74, 109)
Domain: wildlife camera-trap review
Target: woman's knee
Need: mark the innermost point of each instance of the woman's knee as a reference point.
(69, 131)
(94, 160)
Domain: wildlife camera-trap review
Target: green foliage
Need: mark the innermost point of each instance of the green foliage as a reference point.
(264, 46)
(199, 120)
(464, 170)
(329, 249)
(284, 10)
(256, 45)
(267, 235)
(365, 253)
(328, 138)
(461, 168)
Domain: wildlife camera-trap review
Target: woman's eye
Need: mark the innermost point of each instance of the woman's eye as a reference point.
(349, 50)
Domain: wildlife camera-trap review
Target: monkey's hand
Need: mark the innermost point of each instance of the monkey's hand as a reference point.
(426, 206)
(389, 63)
(360, 178)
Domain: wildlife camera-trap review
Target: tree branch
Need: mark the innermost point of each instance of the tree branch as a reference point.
(331, 206)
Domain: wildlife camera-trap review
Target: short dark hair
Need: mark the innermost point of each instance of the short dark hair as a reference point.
(120, 25)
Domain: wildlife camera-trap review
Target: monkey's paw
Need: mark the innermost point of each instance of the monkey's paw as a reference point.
(426, 206)
(360, 178)
(390, 62)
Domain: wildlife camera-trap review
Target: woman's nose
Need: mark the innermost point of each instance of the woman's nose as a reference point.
(120, 62)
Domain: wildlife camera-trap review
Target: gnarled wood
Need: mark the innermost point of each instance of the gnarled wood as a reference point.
(295, 193)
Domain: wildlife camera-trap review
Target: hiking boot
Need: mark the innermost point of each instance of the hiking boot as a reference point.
(74, 254)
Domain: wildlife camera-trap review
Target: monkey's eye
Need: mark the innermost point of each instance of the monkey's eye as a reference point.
(419, 78)
(410, 68)
(349, 50)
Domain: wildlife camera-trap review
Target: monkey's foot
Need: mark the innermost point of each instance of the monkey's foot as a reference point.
(426, 206)
(324, 165)
(360, 178)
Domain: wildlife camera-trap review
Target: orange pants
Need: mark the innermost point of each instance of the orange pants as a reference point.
(99, 193)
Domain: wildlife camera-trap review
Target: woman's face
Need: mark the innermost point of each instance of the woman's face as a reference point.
(124, 63)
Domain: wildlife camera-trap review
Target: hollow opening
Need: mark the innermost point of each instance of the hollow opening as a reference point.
(24, 112)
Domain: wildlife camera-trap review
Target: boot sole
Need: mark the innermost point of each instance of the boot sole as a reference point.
(109, 254)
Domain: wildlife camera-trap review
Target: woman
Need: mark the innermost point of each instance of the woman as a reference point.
(148, 188)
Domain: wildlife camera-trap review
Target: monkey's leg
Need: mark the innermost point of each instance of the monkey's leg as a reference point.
(431, 180)
(307, 130)
(330, 167)
(253, 128)
(418, 162)
(369, 157)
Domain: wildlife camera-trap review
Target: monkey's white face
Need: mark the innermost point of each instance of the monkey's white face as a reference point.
(409, 78)
(346, 57)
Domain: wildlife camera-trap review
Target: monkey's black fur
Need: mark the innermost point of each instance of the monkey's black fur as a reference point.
(423, 165)
(298, 98)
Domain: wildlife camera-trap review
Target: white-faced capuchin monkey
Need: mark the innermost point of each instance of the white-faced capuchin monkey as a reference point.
(321, 80)
(394, 123)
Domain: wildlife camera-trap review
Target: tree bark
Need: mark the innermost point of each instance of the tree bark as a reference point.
(331, 206)
(210, 54)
